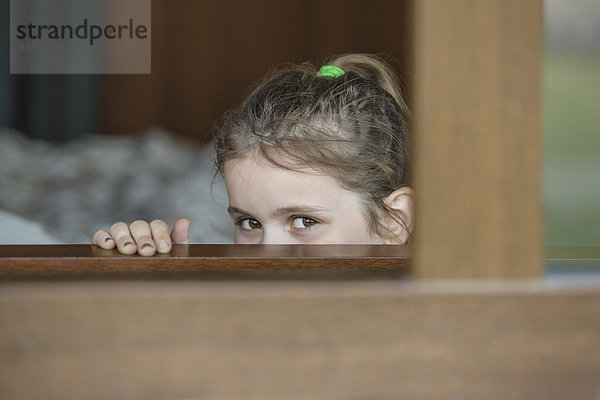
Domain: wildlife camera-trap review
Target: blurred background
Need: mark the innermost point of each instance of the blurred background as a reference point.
(571, 111)
(206, 55)
(81, 151)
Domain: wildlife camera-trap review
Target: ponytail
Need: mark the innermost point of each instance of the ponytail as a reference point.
(374, 67)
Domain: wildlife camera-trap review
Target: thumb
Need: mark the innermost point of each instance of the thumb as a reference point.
(181, 231)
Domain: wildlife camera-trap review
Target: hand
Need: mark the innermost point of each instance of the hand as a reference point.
(143, 237)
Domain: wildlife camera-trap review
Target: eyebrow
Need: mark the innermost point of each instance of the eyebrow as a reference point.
(297, 209)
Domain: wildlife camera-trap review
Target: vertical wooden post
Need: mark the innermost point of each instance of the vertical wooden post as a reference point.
(476, 92)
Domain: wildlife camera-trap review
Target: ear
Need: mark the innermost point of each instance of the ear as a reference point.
(400, 226)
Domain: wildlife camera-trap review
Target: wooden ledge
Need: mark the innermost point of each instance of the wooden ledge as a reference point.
(378, 339)
(17, 261)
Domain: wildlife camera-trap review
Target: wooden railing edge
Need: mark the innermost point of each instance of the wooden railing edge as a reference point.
(87, 260)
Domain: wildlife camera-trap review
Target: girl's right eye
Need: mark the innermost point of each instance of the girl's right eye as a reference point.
(249, 224)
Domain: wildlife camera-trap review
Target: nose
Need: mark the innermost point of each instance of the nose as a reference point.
(275, 236)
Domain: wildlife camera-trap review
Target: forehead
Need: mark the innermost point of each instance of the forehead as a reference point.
(255, 182)
(259, 172)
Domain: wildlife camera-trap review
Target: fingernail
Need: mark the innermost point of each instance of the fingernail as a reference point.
(163, 244)
(127, 244)
(147, 246)
(108, 239)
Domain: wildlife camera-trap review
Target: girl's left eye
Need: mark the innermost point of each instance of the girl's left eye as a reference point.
(303, 222)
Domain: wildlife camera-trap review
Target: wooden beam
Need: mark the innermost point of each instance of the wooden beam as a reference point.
(78, 261)
(476, 93)
(298, 340)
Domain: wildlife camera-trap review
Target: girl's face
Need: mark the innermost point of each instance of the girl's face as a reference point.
(273, 205)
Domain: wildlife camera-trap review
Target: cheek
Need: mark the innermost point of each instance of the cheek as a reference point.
(353, 215)
(350, 228)
(246, 239)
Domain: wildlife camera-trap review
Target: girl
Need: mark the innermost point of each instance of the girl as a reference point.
(308, 157)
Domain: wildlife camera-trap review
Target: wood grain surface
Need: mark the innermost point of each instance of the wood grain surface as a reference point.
(195, 260)
(477, 68)
(298, 340)
(221, 53)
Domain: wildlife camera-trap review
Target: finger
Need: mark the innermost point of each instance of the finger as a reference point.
(181, 231)
(160, 233)
(125, 243)
(102, 239)
(140, 230)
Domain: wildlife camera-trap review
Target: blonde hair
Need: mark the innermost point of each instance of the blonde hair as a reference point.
(352, 128)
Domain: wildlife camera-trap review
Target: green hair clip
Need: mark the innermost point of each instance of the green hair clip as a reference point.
(330, 71)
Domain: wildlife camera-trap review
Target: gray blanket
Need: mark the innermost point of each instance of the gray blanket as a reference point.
(71, 190)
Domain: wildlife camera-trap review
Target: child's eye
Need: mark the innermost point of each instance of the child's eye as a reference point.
(303, 222)
(249, 224)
